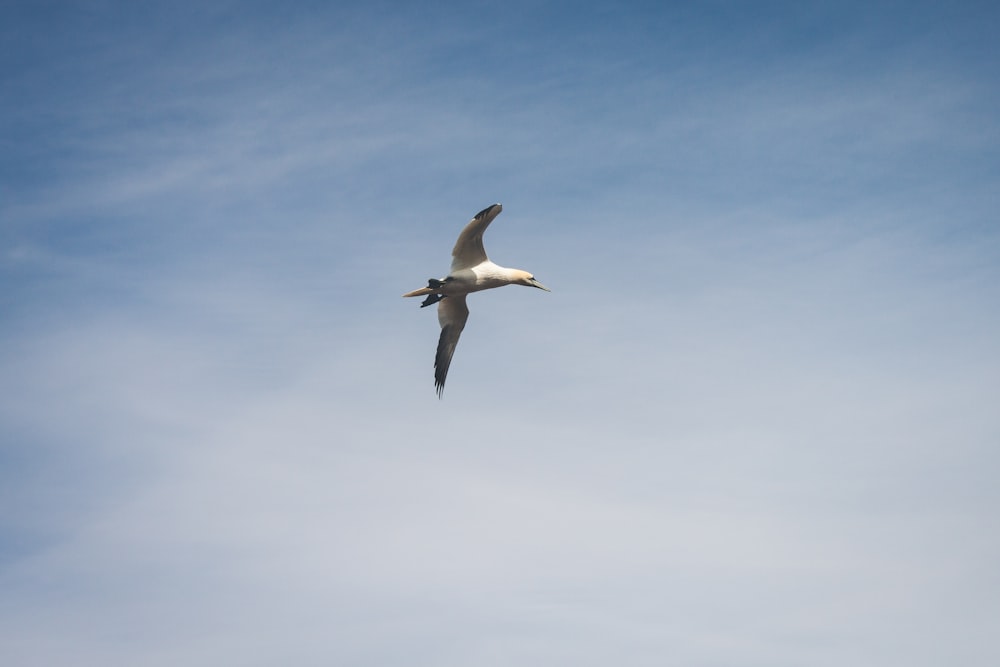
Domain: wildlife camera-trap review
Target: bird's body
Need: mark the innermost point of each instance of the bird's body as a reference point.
(471, 271)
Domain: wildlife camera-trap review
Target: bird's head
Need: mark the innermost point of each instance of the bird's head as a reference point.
(528, 280)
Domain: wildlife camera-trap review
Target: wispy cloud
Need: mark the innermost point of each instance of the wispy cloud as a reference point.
(752, 422)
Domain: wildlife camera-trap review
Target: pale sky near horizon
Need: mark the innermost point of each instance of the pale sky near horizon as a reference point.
(753, 424)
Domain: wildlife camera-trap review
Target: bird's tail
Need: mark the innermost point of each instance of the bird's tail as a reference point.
(420, 292)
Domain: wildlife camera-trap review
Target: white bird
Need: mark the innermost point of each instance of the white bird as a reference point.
(471, 271)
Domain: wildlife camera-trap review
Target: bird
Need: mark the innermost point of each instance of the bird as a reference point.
(471, 271)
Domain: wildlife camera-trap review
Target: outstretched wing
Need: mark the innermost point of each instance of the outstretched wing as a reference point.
(452, 314)
(468, 251)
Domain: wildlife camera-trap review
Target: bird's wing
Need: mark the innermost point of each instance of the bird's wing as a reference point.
(468, 251)
(452, 314)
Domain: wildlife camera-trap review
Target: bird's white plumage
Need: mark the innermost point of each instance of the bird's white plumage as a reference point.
(469, 251)
(471, 271)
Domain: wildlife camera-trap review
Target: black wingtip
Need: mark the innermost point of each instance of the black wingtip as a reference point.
(485, 211)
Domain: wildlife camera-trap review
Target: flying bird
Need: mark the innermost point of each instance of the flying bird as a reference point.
(471, 271)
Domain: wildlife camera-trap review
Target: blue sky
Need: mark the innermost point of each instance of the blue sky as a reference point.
(754, 423)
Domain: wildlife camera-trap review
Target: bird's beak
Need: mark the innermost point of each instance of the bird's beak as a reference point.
(535, 283)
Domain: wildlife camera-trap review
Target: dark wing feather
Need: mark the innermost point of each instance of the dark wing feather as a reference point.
(452, 314)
